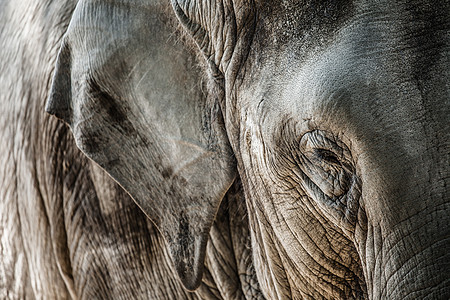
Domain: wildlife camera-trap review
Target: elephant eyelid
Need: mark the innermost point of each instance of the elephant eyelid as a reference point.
(321, 146)
(327, 155)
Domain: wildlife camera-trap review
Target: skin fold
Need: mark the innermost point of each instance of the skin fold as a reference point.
(224, 149)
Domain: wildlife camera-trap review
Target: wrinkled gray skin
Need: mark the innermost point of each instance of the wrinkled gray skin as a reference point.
(67, 230)
(278, 149)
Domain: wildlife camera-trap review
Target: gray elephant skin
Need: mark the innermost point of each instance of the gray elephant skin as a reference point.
(224, 149)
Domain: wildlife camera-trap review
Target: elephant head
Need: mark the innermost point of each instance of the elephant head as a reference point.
(333, 114)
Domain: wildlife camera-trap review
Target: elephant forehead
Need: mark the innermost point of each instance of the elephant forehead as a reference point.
(359, 83)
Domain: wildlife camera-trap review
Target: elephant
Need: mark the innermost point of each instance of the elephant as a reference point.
(236, 149)
(67, 230)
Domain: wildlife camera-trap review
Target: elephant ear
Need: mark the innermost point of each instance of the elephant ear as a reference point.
(135, 98)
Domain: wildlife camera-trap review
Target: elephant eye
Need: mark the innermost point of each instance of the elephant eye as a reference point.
(326, 163)
(327, 156)
(328, 175)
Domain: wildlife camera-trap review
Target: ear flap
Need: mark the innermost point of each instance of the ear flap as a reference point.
(133, 95)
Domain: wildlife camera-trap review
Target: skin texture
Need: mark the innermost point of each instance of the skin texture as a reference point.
(67, 229)
(282, 149)
(375, 98)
